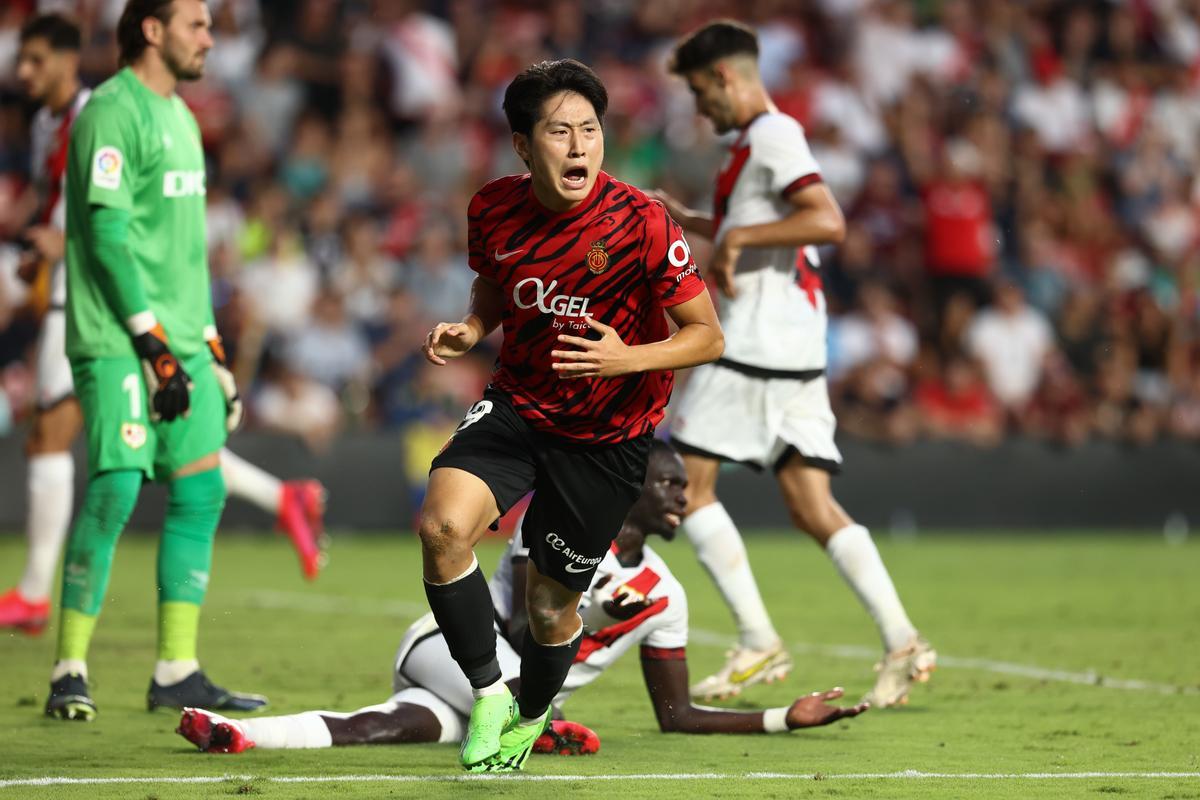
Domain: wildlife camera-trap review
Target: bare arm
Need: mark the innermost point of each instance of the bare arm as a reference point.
(698, 341)
(691, 220)
(815, 218)
(453, 339)
(667, 682)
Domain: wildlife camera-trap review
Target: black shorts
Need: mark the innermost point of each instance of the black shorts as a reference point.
(581, 492)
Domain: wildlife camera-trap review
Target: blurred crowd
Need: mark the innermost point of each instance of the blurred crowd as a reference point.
(1018, 179)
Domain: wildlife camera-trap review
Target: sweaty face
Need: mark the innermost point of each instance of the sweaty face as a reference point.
(187, 38)
(40, 68)
(564, 151)
(712, 98)
(663, 501)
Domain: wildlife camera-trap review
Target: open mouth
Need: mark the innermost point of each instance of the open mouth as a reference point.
(673, 520)
(575, 178)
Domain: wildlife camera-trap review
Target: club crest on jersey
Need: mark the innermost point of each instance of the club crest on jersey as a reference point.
(133, 434)
(597, 257)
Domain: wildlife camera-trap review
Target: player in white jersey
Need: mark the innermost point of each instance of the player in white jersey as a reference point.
(765, 403)
(48, 69)
(633, 600)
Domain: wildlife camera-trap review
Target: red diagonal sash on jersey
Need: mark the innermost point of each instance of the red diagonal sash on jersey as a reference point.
(606, 636)
(56, 162)
(727, 179)
(807, 278)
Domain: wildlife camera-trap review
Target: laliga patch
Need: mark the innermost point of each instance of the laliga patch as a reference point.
(106, 169)
(133, 434)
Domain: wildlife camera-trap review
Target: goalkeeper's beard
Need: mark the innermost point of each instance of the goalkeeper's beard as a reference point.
(181, 70)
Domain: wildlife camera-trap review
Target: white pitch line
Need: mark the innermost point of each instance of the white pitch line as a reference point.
(908, 774)
(338, 604)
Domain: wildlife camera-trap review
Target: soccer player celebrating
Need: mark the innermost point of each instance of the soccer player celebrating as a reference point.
(148, 365)
(48, 68)
(765, 403)
(633, 600)
(578, 268)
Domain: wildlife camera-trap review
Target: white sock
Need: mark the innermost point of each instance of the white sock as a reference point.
(720, 549)
(855, 556)
(294, 732)
(167, 673)
(499, 687)
(68, 666)
(51, 491)
(252, 484)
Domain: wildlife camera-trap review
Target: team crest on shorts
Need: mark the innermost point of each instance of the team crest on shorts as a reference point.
(133, 434)
(597, 257)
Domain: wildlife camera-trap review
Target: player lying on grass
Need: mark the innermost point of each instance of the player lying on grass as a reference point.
(633, 600)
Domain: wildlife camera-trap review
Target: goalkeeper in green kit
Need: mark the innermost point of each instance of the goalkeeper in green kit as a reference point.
(148, 365)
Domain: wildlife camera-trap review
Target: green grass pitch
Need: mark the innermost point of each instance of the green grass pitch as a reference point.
(1018, 620)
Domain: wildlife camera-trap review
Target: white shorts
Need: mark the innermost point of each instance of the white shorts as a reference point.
(53, 370)
(759, 422)
(423, 661)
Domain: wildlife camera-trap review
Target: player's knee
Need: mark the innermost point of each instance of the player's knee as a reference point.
(442, 536)
(550, 624)
(200, 494)
(110, 500)
(698, 499)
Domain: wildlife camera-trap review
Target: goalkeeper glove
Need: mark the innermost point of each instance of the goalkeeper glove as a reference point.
(167, 383)
(233, 401)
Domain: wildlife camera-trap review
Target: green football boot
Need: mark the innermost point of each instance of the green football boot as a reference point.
(516, 743)
(490, 716)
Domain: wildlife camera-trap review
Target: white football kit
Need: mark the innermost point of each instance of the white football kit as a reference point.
(50, 135)
(425, 674)
(766, 397)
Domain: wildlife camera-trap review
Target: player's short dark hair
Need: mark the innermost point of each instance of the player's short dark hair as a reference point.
(130, 40)
(524, 97)
(662, 448)
(716, 40)
(58, 31)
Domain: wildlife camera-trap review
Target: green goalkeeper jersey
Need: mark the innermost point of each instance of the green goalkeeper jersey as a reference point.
(139, 152)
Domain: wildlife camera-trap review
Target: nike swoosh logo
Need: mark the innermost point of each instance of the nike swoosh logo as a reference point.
(571, 568)
(502, 256)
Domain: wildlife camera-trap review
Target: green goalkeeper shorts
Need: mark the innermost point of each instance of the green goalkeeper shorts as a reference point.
(116, 417)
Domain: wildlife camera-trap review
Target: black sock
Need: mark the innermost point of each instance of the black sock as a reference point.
(543, 670)
(465, 613)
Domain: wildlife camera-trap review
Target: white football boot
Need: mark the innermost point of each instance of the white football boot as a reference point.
(744, 667)
(899, 670)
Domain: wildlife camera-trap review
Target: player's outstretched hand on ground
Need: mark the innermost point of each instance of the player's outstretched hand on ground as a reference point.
(606, 357)
(449, 340)
(816, 710)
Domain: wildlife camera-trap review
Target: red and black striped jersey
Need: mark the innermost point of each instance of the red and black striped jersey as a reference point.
(617, 257)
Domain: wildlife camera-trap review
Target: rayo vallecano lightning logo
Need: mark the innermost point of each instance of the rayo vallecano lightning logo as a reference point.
(597, 257)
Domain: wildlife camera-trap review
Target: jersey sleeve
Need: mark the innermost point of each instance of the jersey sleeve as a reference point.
(674, 277)
(477, 257)
(104, 145)
(779, 145)
(669, 630)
